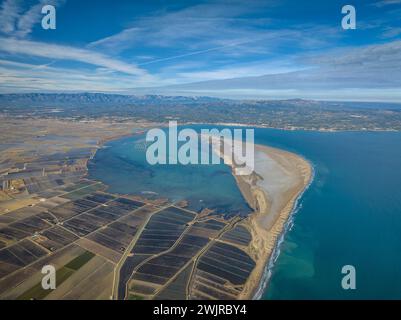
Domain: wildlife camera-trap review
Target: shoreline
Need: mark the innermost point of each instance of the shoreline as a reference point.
(272, 211)
(276, 250)
(266, 240)
(261, 126)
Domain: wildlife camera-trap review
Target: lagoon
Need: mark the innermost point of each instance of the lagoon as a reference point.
(350, 215)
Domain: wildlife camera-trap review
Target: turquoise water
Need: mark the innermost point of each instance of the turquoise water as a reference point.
(123, 167)
(351, 214)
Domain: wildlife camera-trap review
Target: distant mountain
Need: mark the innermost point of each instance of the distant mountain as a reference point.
(73, 100)
(288, 114)
(101, 99)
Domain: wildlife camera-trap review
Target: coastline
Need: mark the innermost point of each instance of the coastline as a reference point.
(268, 223)
(273, 207)
(276, 250)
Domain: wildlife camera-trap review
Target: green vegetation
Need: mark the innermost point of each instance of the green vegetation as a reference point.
(79, 261)
(38, 293)
(62, 274)
(134, 297)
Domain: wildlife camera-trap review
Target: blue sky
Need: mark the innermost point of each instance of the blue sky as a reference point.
(269, 49)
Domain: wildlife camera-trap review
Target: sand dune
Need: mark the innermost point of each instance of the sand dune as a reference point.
(271, 190)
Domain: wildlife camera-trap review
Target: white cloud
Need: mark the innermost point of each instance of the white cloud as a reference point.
(208, 48)
(260, 68)
(215, 32)
(9, 13)
(368, 70)
(59, 52)
(119, 41)
(17, 76)
(391, 32)
(196, 28)
(384, 3)
(33, 16)
(16, 22)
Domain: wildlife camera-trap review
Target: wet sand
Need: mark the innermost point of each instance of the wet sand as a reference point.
(272, 190)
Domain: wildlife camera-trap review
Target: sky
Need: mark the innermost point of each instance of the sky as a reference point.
(272, 49)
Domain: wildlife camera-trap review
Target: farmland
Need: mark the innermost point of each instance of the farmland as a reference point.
(104, 245)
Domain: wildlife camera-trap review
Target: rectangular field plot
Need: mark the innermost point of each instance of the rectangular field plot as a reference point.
(216, 283)
(177, 214)
(93, 281)
(107, 241)
(157, 270)
(100, 250)
(124, 237)
(77, 191)
(104, 213)
(19, 255)
(121, 206)
(70, 209)
(165, 260)
(80, 226)
(93, 219)
(49, 194)
(206, 286)
(63, 273)
(209, 228)
(226, 263)
(141, 213)
(7, 218)
(99, 198)
(46, 216)
(211, 224)
(238, 235)
(25, 278)
(129, 204)
(126, 271)
(31, 225)
(150, 278)
(115, 236)
(177, 289)
(8, 233)
(123, 228)
(19, 214)
(86, 203)
(79, 185)
(79, 261)
(162, 231)
(140, 288)
(58, 235)
(170, 263)
(203, 291)
(188, 250)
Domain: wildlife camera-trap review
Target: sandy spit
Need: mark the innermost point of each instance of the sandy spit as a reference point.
(280, 177)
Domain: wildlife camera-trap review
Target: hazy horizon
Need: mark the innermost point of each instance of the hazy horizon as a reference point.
(269, 50)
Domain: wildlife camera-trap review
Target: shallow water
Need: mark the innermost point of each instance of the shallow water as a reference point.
(351, 214)
(123, 167)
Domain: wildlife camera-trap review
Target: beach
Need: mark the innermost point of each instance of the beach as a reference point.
(272, 191)
(280, 177)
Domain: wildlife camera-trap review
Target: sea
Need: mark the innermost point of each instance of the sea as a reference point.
(350, 215)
